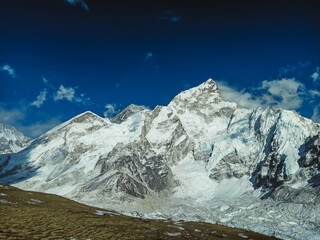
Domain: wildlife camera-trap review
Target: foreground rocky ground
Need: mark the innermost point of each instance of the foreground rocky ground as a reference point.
(34, 215)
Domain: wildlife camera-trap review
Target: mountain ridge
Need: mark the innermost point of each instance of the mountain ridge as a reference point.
(198, 148)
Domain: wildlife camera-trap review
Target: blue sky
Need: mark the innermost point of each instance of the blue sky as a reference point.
(59, 58)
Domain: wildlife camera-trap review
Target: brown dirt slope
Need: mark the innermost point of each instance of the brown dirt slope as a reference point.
(32, 215)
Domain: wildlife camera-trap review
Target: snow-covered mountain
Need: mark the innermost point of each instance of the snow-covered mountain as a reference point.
(11, 140)
(199, 158)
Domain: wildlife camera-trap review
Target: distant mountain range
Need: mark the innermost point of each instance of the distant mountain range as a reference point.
(199, 158)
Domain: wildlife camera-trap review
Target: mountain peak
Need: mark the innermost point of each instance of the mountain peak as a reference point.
(127, 112)
(209, 85)
(11, 140)
(205, 94)
(85, 117)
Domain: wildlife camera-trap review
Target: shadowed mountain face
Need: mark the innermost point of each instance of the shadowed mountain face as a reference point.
(200, 152)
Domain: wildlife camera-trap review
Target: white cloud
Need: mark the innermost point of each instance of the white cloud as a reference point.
(80, 2)
(12, 116)
(111, 109)
(8, 69)
(41, 98)
(242, 98)
(316, 114)
(67, 93)
(283, 93)
(316, 75)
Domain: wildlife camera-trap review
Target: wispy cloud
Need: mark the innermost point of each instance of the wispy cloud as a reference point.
(11, 116)
(9, 70)
(314, 93)
(48, 84)
(41, 98)
(111, 110)
(36, 129)
(316, 114)
(316, 75)
(149, 55)
(69, 94)
(151, 61)
(175, 19)
(280, 93)
(144, 106)
(15, 117)
(80, 2)
(170, 16)
(294, 69)
(45, 81)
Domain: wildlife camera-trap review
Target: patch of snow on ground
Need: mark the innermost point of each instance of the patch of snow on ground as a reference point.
(34, 201)
(242, 235)
(3, 201)
(181, 228)
(102, 213)
(99, 212)
(173, 234)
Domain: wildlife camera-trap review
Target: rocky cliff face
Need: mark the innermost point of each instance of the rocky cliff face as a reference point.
(199, 152)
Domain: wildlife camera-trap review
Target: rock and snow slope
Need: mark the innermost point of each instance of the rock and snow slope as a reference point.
(197, 158)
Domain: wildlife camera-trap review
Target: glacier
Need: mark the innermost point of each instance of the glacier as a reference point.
(199, 158)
